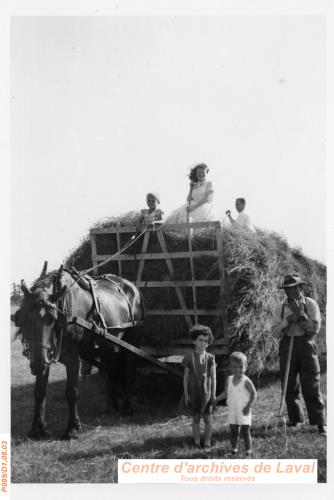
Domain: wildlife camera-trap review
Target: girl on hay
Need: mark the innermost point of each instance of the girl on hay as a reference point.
(199, 384)
(199, 206)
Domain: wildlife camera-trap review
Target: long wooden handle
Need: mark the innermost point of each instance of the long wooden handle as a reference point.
(192, 267)
(286, 376)
(190, 193)
(92, 327)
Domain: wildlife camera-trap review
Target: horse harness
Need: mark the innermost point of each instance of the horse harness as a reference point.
(88, 283)
(95, 316)
(64, 319)
(59, 304)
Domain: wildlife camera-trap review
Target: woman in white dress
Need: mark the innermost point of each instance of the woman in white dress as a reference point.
(199, 206)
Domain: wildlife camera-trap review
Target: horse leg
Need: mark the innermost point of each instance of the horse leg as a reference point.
(71, 395)
(112, 399)
(38, 428)
(110, 356)
(128, 374)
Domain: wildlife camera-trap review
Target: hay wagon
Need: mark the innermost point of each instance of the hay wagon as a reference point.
(180, 272)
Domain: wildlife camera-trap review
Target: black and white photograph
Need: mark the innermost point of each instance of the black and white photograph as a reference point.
(168, 248)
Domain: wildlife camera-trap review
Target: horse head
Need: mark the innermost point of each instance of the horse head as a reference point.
(38, 318)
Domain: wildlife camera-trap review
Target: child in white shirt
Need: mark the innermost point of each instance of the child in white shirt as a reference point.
(241, 394)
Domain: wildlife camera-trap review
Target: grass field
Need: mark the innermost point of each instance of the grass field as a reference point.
(155, 431)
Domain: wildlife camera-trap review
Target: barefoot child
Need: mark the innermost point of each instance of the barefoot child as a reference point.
(199, 383)
(241, 394)
(152, 214)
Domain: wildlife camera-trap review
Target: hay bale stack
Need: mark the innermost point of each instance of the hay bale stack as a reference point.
(254, 264)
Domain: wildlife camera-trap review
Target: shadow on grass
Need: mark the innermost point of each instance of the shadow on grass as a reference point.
(151, 401)
(166, 447)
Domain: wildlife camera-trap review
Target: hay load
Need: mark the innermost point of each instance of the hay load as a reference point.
(254, 264)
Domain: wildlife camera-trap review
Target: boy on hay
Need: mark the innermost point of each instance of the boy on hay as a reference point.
(153, 214)
(243, 220)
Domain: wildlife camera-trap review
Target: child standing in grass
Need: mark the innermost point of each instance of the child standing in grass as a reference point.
(152, 214)
(199, 383)
(241, 394)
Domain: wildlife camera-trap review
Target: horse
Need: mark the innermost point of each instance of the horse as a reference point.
(49, 335)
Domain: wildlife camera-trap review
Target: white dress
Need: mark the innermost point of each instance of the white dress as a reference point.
(201, 214)
(237, 398)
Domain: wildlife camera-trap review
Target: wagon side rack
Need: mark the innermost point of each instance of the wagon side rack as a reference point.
(187, 313)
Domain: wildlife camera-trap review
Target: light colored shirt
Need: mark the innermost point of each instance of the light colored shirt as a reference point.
(238, 397)
(243, 220)
(280, 326)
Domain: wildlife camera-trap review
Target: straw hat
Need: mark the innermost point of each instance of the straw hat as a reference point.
(292, 280)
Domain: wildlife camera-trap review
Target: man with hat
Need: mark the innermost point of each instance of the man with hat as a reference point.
(299, 316)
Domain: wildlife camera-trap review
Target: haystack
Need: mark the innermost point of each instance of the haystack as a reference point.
(254, 264)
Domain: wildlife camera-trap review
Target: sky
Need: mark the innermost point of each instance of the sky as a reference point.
(106, 109)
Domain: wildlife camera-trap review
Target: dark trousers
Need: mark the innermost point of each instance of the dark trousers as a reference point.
(304, 376)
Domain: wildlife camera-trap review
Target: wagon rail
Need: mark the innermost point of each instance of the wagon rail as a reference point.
(185, 309)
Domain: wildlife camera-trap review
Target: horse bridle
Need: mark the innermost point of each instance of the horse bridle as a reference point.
(60, 323)
(62, 319)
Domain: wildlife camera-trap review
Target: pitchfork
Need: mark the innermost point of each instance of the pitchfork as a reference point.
(280, 420)
(189, 234)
